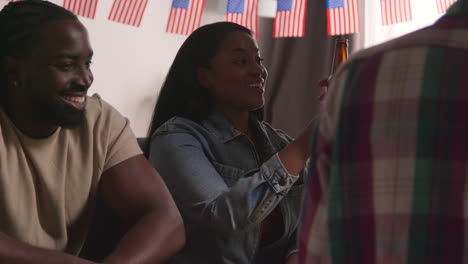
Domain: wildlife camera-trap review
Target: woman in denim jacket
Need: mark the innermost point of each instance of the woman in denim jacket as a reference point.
(235, 179)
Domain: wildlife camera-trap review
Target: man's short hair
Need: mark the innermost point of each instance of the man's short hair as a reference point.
(20, 21)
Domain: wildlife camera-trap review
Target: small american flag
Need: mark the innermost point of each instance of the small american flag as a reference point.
(290, 18)
(85, 8)
(443, 5)
(128, 12)
(243, 12)
(185, 16)
(395, 11)
(343, 17)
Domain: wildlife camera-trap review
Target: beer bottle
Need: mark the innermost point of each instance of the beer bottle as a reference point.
(341, 53)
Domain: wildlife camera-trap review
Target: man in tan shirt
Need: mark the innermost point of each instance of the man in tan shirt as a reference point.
(59, 148)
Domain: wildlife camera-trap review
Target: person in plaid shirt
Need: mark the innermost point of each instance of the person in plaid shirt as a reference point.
(390, 153)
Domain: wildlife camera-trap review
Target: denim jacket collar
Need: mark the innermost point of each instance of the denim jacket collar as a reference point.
(219, 126)
(222, 129)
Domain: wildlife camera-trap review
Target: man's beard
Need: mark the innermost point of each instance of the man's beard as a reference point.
(57, 112)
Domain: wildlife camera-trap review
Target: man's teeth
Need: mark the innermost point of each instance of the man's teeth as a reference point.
(75, 99)
(255, 85)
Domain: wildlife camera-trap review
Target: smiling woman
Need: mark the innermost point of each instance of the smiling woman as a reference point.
(236, 179)
(236, 76)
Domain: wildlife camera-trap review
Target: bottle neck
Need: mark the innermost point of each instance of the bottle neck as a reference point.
(340, 54)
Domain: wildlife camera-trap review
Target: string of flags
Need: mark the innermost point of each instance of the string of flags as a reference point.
(185, 15)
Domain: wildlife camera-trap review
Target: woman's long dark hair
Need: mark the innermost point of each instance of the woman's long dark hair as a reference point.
(181, 94)
(19, 24)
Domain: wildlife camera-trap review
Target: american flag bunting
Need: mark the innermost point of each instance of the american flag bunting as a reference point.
(185, 16)
(395, 11)
(290, 18)
(343, 17)
(243, 12)
(128, 12)
(84, 8)
(443, 5)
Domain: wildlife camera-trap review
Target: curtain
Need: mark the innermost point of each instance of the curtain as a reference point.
(295, 65)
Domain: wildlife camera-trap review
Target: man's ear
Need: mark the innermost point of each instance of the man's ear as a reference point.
(203, 76)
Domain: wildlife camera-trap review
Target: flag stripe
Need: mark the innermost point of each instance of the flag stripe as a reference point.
(115, 7)
(129, 12)
(184, 21)
(443, 5)
(291, 23)
(344, 20)
(142, 11)
(123, 14)
(85, 8)
(248, 18)
(395, 11)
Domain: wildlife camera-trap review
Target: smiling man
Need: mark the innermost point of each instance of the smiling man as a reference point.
(54, 80)
(60, 148)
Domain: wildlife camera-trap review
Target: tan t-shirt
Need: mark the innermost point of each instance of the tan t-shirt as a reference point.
(48, 186)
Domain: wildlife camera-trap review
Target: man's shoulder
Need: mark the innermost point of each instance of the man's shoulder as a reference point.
(95, 105)
(98, 109)
(391, 45)
(436, 35)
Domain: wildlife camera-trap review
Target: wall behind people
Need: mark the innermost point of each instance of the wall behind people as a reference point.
(131, 63)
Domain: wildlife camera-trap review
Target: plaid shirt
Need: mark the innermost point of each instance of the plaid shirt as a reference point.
(390, 155)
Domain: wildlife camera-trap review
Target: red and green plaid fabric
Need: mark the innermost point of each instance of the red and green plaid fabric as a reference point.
(389, 168)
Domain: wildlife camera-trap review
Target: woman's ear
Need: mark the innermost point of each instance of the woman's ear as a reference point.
(203, 76)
